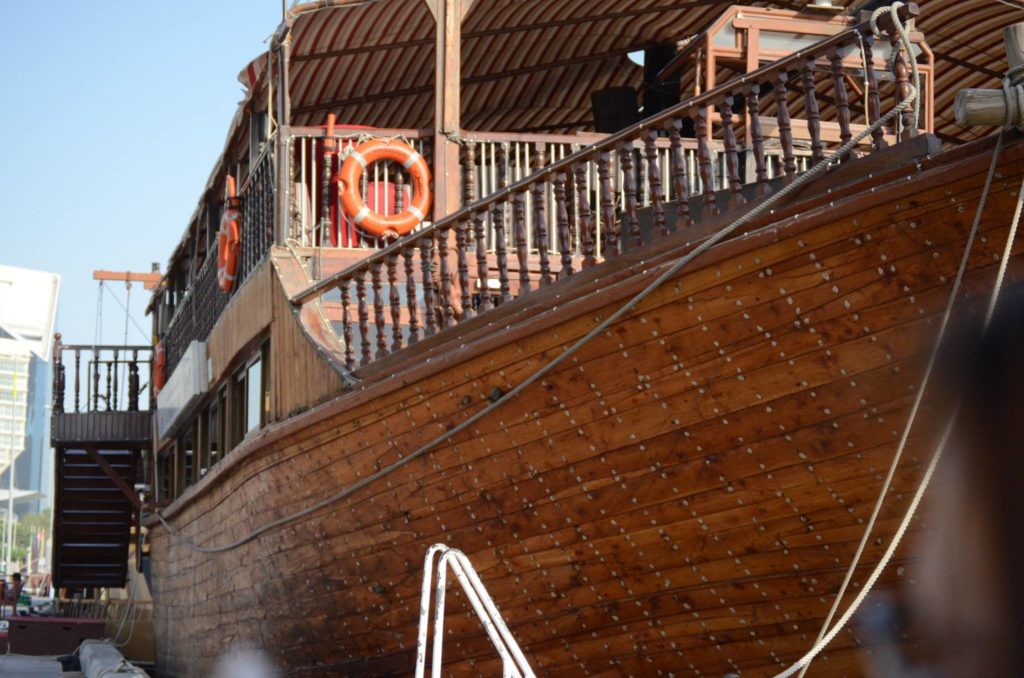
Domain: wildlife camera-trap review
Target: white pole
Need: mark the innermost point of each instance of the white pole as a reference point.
(10, 516)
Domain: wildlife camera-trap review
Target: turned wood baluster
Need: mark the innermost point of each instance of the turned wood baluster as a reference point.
(625, 151)
(700, 126)
(785, 124)
(680, 181)
(654, 182)
(604, 175)
(78, 366)
(325, 184)
(842, 97)
(522, 246)
(399, 189)
(813, 114)
(465, 293)
(107, 396)
(427, 271)
(133, 382)
(378, 308)
(732, 160)
(95, 363)
(396, 302)
(583, 210)
(58, 375)
(445, 287)
(462, 235)
(901, 71)
(562, 221)
(116, 385)
(346, 326)
(498, 222)
(874, 99)
(408, 254)
(364, 318)
(540, 223)
(757, 139)
(482, 273)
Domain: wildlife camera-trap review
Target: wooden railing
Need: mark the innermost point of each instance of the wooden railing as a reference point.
(101, 378)
(315, 216)
(421, 284)
(197, 312)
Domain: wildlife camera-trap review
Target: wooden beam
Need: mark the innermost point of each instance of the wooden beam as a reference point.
(966, 64)
(447, 86)
(148, 280)
(129, 492)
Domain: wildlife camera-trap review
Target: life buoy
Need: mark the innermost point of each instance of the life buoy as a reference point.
(380, 225)
(228, 243)
(159, 366)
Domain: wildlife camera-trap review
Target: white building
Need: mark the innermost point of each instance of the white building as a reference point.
(28, 308)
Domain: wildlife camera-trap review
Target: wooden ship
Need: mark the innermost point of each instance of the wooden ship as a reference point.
(646, 368)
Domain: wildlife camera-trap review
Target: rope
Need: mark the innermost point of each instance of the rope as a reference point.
(894, 55)
(928, 369)
(599, 329)
(825, 638)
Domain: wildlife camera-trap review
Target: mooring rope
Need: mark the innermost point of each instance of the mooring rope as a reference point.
(798, 183)
(940, 448)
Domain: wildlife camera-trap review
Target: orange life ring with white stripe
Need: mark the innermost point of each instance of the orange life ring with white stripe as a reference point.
(228, 242)
(159, 367)
(380, 225)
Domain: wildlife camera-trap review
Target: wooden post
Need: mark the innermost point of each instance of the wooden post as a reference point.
(447, 84)
(282, 143)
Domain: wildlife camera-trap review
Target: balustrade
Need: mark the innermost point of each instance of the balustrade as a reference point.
(101, 378)
(563, 203)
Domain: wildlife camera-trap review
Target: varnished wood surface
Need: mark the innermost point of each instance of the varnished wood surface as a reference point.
(681, 498)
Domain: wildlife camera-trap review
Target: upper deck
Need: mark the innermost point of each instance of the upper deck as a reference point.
(519, 143)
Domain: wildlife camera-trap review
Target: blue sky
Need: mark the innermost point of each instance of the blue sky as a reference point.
(112, 114)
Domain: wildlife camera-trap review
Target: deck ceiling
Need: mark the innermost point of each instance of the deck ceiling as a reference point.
(530, 65)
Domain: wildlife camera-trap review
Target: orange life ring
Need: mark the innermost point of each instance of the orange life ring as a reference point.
(228, 243)
(160, 367)
(392, 225)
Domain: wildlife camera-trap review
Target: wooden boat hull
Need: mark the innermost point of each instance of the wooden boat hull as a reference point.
(682, 497)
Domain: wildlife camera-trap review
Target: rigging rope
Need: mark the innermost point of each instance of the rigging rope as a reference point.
(670, 272)
(926, 479)
(932, 358)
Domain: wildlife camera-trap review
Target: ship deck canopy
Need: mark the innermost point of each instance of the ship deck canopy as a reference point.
(531, 65)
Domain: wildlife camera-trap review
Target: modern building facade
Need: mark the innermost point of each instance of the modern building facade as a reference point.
(28, 307)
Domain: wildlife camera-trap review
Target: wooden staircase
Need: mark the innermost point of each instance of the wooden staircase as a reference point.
(99, 429)
(95, 518)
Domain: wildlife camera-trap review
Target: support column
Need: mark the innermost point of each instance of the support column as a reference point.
(447, 84)
(282, 148)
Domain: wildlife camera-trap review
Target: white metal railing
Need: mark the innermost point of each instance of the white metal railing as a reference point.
(513, 661)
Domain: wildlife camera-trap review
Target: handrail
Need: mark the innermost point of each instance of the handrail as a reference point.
(612, 142)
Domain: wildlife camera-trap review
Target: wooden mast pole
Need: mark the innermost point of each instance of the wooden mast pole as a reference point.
(448, 16)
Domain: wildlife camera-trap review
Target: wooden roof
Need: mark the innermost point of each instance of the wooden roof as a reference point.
(530, 65)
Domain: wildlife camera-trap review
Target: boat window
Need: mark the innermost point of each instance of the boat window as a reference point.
(165, 469)
(250, 397)
(187, 458)
(253, 398)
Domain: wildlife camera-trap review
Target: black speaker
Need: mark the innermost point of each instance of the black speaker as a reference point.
(615, 108)
(659, 95)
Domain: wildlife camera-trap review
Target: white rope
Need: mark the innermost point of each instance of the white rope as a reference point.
(599, 329)
(825, 638)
